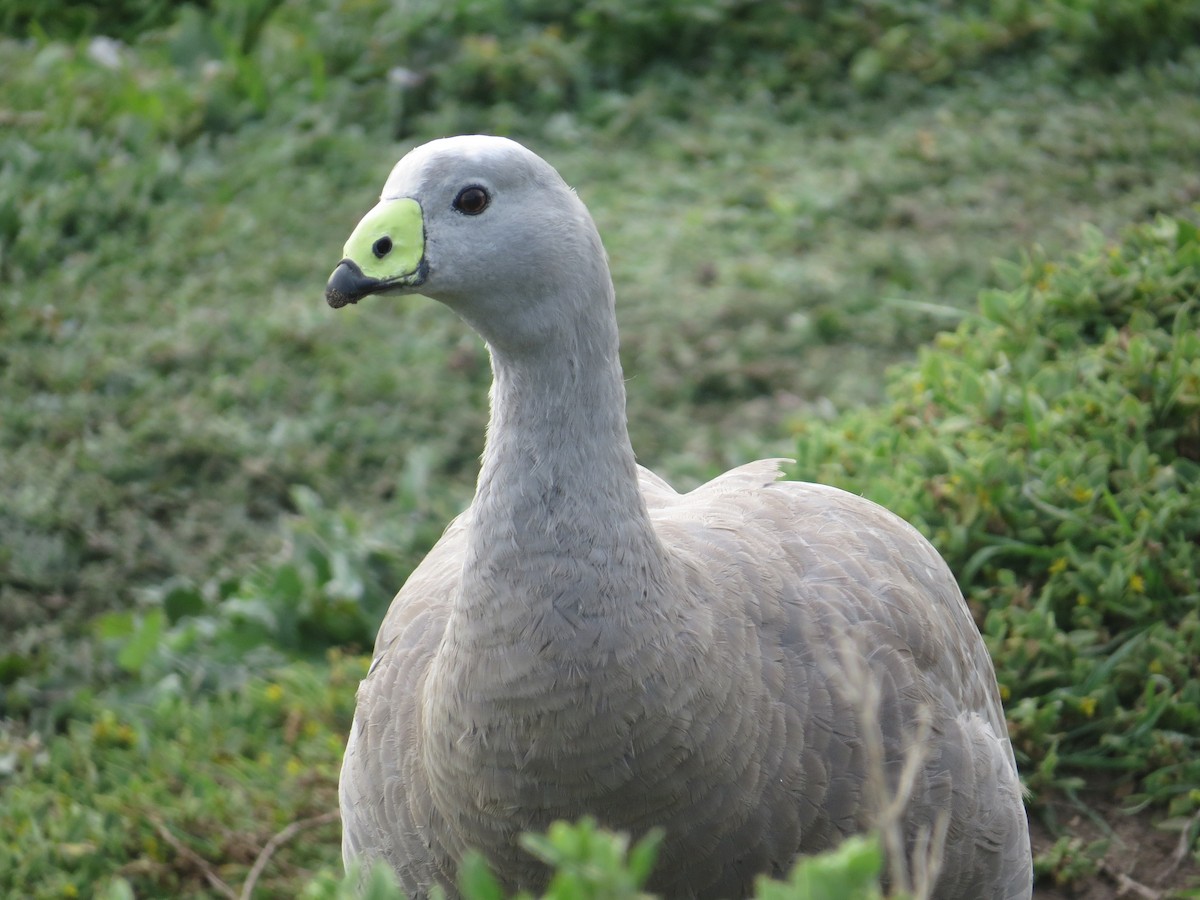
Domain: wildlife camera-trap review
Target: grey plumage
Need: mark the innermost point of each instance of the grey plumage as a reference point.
(583, 639)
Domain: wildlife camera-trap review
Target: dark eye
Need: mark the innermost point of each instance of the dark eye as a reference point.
(382, 247)
(472, 201)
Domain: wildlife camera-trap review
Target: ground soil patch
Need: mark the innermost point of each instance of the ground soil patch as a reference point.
(1139, 859)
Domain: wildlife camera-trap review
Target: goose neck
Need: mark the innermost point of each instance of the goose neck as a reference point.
(557, 442)
(558, 498)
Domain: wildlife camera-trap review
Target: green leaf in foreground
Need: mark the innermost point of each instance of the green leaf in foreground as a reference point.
(476, 880)
(850, 872)
(591, 862)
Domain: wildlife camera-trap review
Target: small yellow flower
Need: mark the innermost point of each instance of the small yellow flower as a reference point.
(1058, 566)
(274, 693)
(1155, 667)
(1087, 706)
(109, 732)
(1082, 494)
(1137, 583)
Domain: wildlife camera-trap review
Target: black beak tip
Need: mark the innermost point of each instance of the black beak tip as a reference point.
(348, 285)
(336, 299)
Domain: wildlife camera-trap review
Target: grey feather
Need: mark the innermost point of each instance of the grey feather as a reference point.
(585, 640)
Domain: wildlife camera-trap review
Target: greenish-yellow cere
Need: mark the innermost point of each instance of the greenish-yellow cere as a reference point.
(398, 220)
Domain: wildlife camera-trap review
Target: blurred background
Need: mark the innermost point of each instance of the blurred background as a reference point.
(941, 253)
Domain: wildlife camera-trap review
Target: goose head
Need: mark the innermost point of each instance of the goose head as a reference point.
(488, 228)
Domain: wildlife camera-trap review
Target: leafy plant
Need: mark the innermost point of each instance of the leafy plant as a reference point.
(137, 791)
(849, 872)
(1070, 861)
(328, 587)
(592, 863)
(1050, 447)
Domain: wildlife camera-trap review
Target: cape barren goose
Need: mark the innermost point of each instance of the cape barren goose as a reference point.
(585, 640)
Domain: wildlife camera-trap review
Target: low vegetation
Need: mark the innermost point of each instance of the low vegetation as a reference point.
(210, 486)
(1050, 447)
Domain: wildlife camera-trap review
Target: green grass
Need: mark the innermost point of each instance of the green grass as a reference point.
(219, 771)
(206, 478)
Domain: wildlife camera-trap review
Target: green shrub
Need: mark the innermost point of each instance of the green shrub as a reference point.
(130, 790)
(1050, 448)
(549, 56)
(58, 19)
(592, 863)
(329, 586)
(1110, 34)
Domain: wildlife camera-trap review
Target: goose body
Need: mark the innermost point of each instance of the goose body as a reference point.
(749, 665)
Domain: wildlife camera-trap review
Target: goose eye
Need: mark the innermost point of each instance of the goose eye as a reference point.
(472, 201)
(382, 247)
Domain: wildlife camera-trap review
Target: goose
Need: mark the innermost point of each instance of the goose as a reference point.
(758, 666)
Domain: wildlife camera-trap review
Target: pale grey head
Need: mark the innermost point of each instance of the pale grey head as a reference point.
(488, 228)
